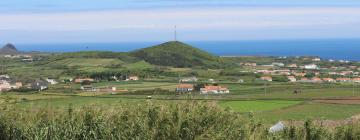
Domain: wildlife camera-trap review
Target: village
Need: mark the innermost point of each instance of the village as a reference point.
(308, 73)
(312, 72)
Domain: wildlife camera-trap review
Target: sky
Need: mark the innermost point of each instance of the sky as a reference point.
(84, 21)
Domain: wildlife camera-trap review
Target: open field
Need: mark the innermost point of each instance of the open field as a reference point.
(311, 110)
(278, 104)
(257, 106)
(88, 62)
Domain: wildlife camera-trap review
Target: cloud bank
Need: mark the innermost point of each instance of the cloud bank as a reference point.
(210, 23)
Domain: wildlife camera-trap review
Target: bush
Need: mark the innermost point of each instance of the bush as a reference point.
(151, 120)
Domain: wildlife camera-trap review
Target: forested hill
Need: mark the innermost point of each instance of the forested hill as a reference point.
(175, 54)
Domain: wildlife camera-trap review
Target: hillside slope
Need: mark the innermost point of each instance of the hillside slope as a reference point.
(175, 54)
(8, 49)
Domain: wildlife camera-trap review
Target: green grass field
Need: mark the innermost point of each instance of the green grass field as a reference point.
(278, 104)
(139, 85)
(257, 106)
(88, 62)
(311, 110)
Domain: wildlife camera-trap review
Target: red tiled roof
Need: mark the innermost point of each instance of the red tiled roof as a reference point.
(188, 86)
(215, 88)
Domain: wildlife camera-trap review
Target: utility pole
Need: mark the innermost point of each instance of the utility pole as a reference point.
(353, 88)
(353, 83)
(265, 88)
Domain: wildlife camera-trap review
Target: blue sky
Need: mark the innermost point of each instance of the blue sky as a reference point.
(66, 21)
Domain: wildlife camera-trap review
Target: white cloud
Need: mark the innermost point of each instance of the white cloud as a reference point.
(186, 18)
(211, 20)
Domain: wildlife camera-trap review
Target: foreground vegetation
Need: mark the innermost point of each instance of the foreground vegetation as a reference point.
(149, 120)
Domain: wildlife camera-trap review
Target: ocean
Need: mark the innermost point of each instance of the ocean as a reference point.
(345, 49)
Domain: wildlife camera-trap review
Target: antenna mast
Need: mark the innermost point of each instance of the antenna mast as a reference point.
(175, 33)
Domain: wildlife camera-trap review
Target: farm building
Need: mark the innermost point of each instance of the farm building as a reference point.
(343, 79)
(51, 81)
(329, 80)
(132, 78)
(80, 80)
(4, 85)
(266, 78)
(311, 67)
(316, 80)
(184, 88)
(214, 90)
(189, 79)
(356, 80)
(39, 85)
(292, 78)
(292, 66)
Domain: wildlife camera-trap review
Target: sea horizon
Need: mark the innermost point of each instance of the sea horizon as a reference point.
(336, 49)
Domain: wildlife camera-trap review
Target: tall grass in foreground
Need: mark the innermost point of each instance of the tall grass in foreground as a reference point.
(187, 120)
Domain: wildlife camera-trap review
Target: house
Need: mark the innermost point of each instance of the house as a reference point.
(292, 78)
(299, 74)
(132, 78)
(80, 80)
(88, 88)
(240, 81)
(15, 85)
(27, 60)
(51, 81)
(356, 74)
(316, 80)
(311, 67)
(316, 59)
(353, 67)
(4, 77)
(189, 79)
(280, 72)
(266, 78)
(214, 90)
(39, 85)
(250, 64)
(345, 73)
(329, 80)
(305, 80)
(211, 80)
(292, 66)
(263, 71)
(356, 80)
(333, 73)
(184, 88)
(278, 64)
(4, 85)
(343, 79)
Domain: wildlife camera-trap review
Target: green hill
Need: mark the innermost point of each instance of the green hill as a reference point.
(175, 54)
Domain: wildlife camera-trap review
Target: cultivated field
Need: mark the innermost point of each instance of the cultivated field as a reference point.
(330, 102)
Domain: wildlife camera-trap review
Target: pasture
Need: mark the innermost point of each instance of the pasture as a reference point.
(316, 102)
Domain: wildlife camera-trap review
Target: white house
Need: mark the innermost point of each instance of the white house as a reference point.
(311, 67)
(214, 90)
(278, 64)
(4, 85)
(316, 59)
(266, 78)
(51, 81)
(189, 79)
(292, 78)
(132, 78)
(329, 80)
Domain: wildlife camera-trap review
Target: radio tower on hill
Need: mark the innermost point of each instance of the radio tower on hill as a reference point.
(175, 33)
